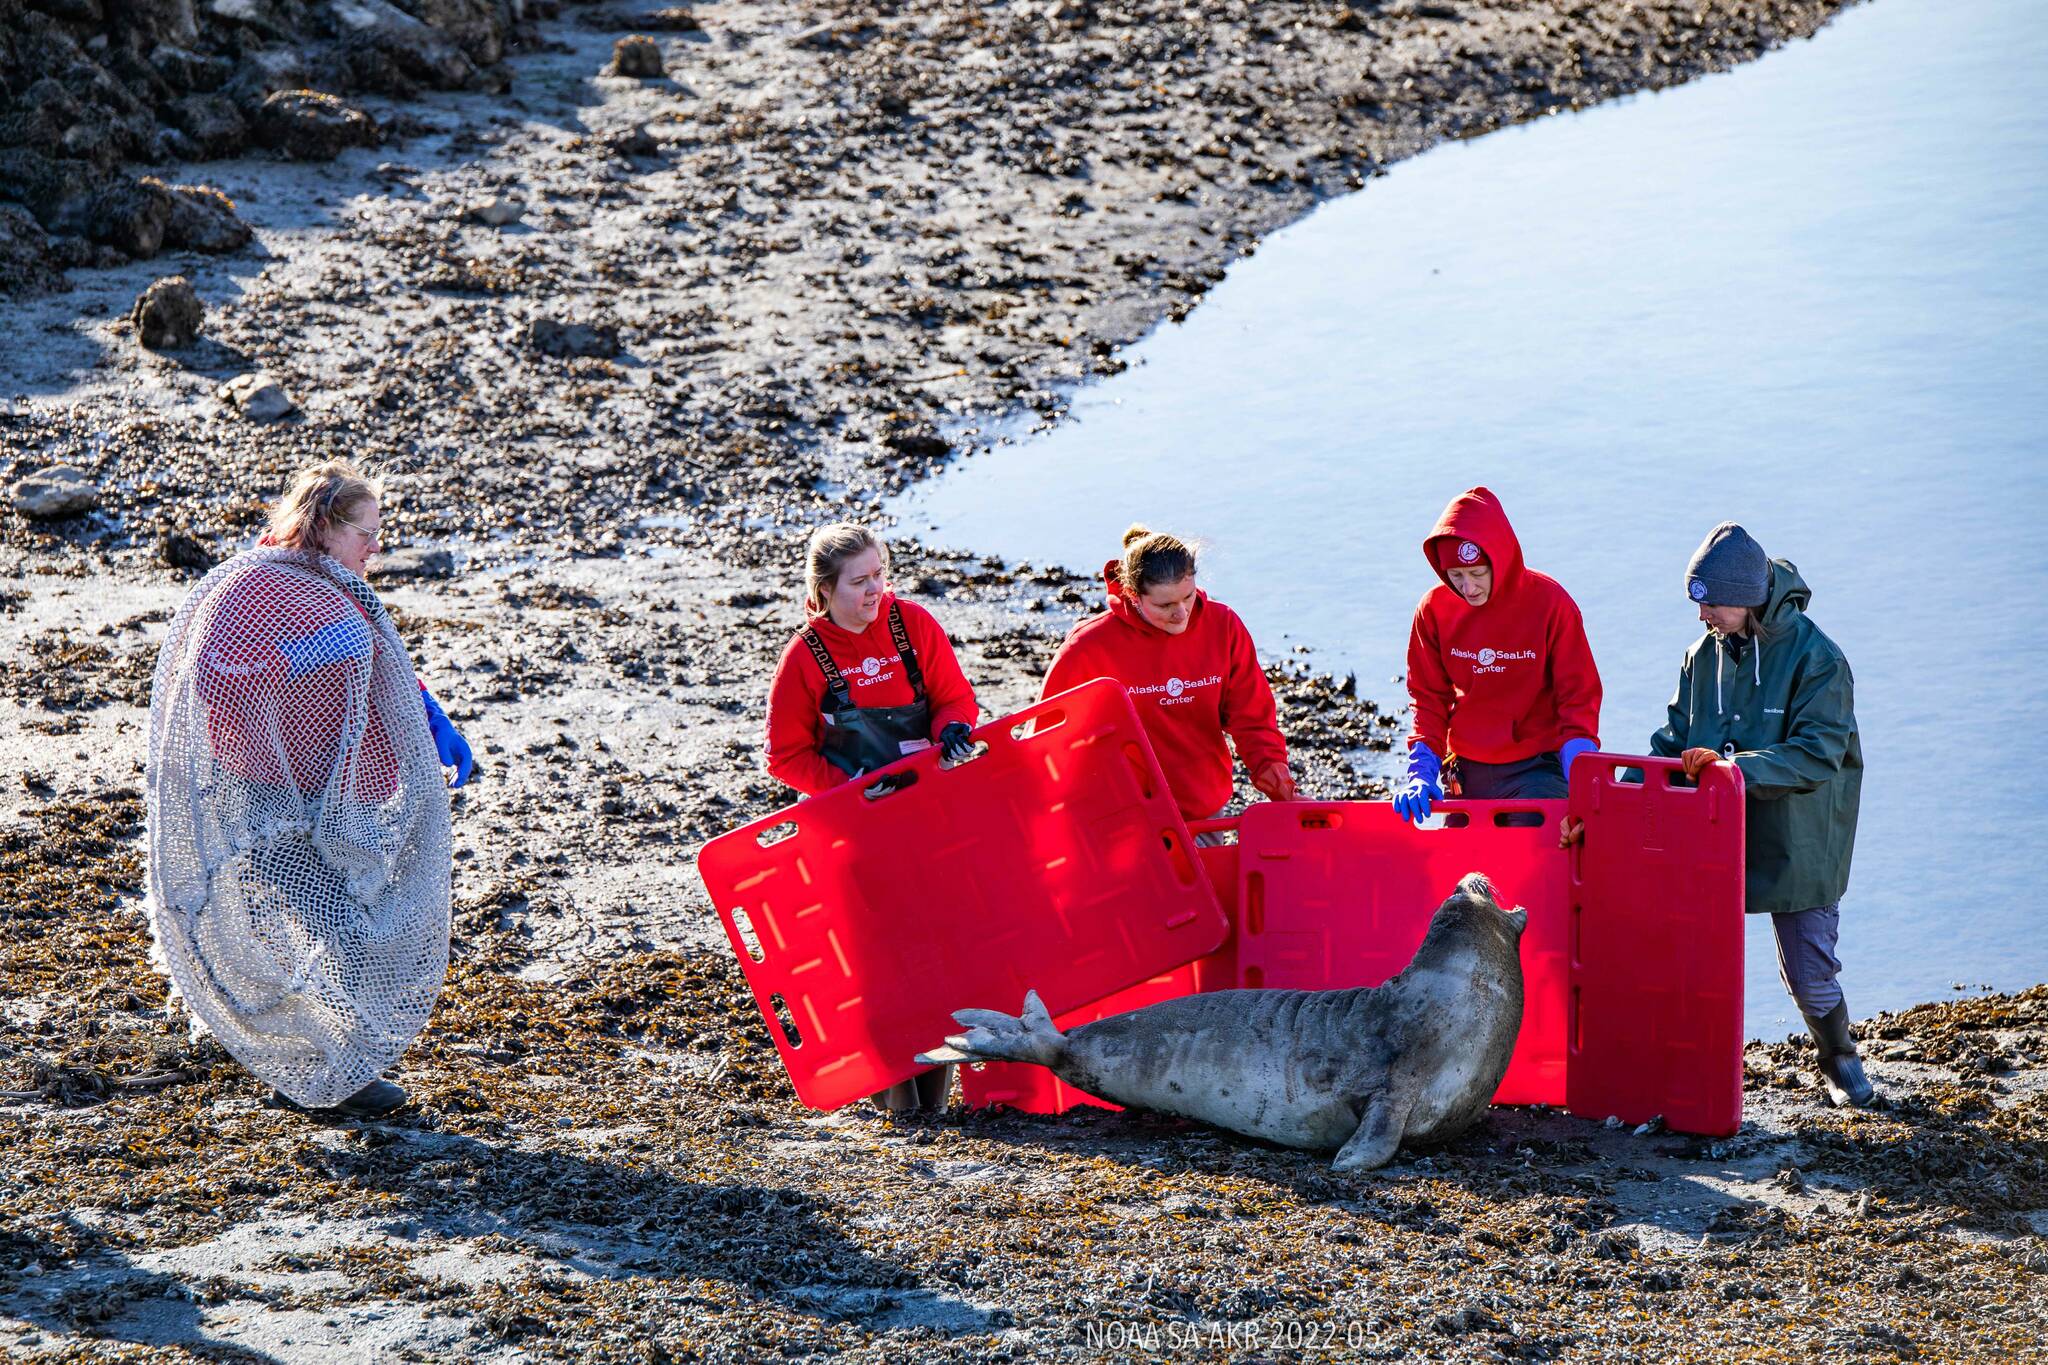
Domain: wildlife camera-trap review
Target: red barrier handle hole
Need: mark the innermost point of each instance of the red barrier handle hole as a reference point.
(1183, 866)
(884, 788)
(775, 834)
(1042, 723)
(1141, 770)
(744, 927)
(1321, 820)
(785, 1021)
(1518, 819)
(947, 765)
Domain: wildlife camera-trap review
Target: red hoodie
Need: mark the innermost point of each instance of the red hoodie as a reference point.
(276, 709)
(1504, 681)
(1190, 690)
(874, 676)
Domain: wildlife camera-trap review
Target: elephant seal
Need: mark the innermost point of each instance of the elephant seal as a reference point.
(1358, 1071)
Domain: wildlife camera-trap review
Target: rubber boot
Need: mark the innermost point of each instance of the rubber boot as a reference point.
(374, 1100)
(1840, 1068)
(926, 1091)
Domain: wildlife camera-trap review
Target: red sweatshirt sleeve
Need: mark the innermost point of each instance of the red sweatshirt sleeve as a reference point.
(1250, 717)
(1429, 684)
(1574, 678)
(946, 687)
(796, 728)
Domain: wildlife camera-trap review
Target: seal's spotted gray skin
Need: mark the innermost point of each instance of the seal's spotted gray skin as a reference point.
(1356, 1071)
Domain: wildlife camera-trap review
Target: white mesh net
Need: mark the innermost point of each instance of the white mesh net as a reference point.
(298, 825)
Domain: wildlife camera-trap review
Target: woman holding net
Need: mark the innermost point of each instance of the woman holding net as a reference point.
(299, 848)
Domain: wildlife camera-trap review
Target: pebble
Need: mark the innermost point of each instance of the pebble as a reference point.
(551, 337)
(497, 211)
(178, 550)
(638, 56)
(168, 315)
(257, 397)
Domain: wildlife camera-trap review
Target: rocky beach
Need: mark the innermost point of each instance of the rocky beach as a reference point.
(622, 300)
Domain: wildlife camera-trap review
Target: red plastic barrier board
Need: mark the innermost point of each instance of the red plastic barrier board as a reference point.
(1339, 894)
(1055, 861)
(1035, 1090)
(1656, 890)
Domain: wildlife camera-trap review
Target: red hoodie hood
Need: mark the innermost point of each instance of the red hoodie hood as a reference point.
(1124, 609)
(1476, 515)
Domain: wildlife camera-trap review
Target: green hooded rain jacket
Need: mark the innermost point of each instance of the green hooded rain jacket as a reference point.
(1782, 705)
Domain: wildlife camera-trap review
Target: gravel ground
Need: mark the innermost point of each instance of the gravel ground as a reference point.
(807, 262)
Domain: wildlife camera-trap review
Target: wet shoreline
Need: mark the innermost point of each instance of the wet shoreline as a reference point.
(820, 239)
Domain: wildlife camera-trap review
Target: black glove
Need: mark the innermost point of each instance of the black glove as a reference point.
(880, 787)
(956, 741)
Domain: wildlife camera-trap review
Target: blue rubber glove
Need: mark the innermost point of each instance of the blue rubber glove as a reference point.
(1411, 802)
(1571, 750)
(956, 741)
(452, 747)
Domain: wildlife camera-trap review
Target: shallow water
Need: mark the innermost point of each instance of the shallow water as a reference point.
(1808, 294)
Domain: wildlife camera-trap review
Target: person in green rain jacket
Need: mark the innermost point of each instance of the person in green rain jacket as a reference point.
(1766, 690)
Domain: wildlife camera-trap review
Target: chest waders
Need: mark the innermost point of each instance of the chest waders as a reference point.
(860, 739)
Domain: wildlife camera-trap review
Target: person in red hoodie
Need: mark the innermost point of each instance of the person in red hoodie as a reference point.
(868, 679)
(1499, 670)
(1189, 665)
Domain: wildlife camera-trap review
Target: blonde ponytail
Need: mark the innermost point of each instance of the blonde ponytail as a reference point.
(1153, 557)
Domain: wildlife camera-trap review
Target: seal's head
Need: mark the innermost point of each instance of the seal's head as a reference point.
(1472, 914)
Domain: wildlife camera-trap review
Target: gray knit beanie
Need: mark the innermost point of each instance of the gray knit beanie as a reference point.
(1729, 569)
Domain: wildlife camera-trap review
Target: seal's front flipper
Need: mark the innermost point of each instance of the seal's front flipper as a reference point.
(1378, 1135)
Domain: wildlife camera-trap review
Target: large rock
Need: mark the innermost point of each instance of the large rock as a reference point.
(132, 215)
(638, 56)
(674, 19)
(213, 123)
(59, 191)
(477, 26)
(168, 315)
(203, 219)
(61, 490)
(26, 262)
(572, 338)
(185, 70)
(422, 52)
(150, 23)
(309, 126)
(258, 397)
(414, 561)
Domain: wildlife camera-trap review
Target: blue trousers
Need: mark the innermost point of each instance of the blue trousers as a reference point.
(1529, 779)
(1806, 957)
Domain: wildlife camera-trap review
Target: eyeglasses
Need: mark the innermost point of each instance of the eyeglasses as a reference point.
(368, 531)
